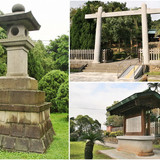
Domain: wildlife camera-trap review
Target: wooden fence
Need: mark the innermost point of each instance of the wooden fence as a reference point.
(82, 54)
(88, 54)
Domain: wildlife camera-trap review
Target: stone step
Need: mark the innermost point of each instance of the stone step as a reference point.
(108, 71)
(29, 97)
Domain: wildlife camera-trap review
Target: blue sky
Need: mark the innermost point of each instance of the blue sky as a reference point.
(93, 98)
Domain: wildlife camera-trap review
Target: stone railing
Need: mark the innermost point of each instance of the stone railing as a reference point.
(82, 54)
(153, 52)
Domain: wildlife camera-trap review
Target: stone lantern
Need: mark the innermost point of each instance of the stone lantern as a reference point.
(25, 123)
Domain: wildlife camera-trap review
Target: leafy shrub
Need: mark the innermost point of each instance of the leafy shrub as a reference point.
(50, 83)
(115, 134)
(74, 136)
(107, 133)
(63, 97)
(121, 55)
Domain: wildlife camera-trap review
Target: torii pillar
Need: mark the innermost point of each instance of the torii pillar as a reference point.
(143, 12)
(97, 46)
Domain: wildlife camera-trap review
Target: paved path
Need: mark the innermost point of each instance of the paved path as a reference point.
(113, 153)
(96, 77)
(112, 145)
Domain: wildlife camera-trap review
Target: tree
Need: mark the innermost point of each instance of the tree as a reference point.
(50, 83)
(114, 120)
(89, 130)
(63, 97)
(59, 50)
(39, 61)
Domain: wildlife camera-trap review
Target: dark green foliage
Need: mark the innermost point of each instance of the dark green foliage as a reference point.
(39, 61)
(116, 133)
(114, 120)
(63, 97)
(50, 83)
(59, 50)
(87, 129)
(74, 136)
(122, 31)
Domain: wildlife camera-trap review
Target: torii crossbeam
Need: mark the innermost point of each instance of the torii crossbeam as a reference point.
(143, 12)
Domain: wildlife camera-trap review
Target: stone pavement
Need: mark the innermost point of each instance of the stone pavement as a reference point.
(96, 77)
(113, 153)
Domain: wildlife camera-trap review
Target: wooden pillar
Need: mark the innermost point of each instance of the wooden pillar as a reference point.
(143, 121)
(124, 124)
(148, 123)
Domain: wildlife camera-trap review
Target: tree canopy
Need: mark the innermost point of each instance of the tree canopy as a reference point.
(123, 31)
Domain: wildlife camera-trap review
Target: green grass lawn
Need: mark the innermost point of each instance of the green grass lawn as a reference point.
(58, 148)
(77, 151)
(157, 146)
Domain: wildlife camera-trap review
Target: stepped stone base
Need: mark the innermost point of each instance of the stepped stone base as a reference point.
(26, 131)
(25, 123)
(18, 83)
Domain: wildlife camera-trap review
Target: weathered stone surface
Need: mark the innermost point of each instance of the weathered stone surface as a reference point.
(42, 117)
(154, 68)
(4, 128)
(50, 134)
(35, 118)
(37, 146)
(33, 131)
(11, 116)
(17, 130)
(1, 138)
(2, 116)
(24, 117)
(18, 83)
(22, 144)
(49, 124)
(8, 142)
(25, 107)
(21, 97)
(46, 141)
(140, 145)
(47, 113)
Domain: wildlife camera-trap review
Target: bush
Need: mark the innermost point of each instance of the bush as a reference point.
(119, 56)
(50, 83)
(62, 97)
(74, 136)
(115, 134)
(107, 133)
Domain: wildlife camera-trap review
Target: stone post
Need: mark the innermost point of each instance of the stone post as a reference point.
(145, 34)
(97, 47)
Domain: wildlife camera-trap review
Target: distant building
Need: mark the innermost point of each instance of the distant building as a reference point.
(151, 36)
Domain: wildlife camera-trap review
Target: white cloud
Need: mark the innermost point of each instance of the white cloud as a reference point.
(93, 98)
(52, 15)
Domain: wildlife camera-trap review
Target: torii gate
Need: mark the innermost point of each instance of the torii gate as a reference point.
(143, 12)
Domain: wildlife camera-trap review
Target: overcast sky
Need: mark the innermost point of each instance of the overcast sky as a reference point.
(130, 4)
(93, 98)
(52, 15)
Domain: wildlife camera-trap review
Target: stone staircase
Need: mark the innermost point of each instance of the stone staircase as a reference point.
(112, 67)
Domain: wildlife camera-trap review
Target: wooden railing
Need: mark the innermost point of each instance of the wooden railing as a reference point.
(82, 54)
(88, 54)
(153, 52)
